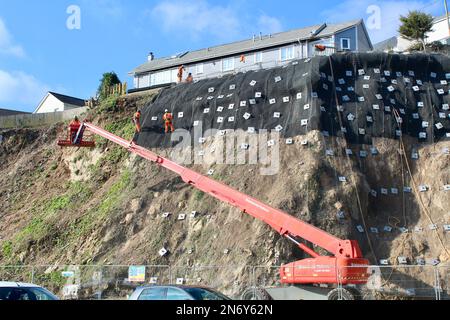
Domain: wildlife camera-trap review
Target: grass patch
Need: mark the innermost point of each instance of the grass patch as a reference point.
(7, 249)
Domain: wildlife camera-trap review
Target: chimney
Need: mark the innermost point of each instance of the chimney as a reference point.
(151, 56)
(254, 38)
(260, 36)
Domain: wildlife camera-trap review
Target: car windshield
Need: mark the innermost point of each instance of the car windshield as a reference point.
(204, 294)
(22, 293)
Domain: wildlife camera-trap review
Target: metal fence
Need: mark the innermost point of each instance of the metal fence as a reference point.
(93, 282)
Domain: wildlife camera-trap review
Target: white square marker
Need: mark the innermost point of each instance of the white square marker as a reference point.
(243, 103)
(253, 83)
(196, 123)
(379, 96)
(366, 86)
(210, 98)
(221, 96)
(447, 227)
(251, 130)
(304, 122)
(193, 214)
(271, 143)
(362, 131)
(232, 87)
(407, 189)
(384, 191)
(341, 81)
(363, 154)
(210, 172)
(289, 141)
(374, 230)
(349, 73)
(422, 135)
(360, 229)
(415, 116)
(154, 118)
(376, 107)
(391, 89)
(272, 101)
(180, 114)
(387, 108)
(416, 88)
(220, 120)
(433, 227)
(348, 152)
(181, 217)
(342, 179)
(286, 99)
(211, 90)
(258, 95)
(384, 262)
(245, 146)
(439, 126)
(180, 281)
(444, 82)
(252, 101)
(394, 190)
(346, 98)
(423, 188)
(277, 115)
(247, 116)
(419, 82)
(199, 98)
(387, 229)
(441, 91)
(162, 252)
(202, 140)
(351, 117)
(402, 260)
(433, 74)
(387, 73)
(219, 109)
(206, 110)
(366, 78)
(304, 142)
(299, 96)
(278, 128)
(361, 99)
(376, 70)
(425, 124)
(361, 72)
(231, 119)
(277, 79)
(166, 214)
(306, 107)
(153, 280)
(445, 107)
(231, 106)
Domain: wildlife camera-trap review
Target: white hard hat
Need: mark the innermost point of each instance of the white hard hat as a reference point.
(166, 110)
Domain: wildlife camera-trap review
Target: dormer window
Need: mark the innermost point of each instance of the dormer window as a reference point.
(345, 44)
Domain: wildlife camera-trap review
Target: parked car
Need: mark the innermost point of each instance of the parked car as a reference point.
(12, 291)
(176, 293)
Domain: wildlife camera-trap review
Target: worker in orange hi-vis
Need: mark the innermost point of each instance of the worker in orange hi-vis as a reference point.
(189, 78)
(168, 119)
(243, 58)
(180, 73)
(137, 122)
(74, 126)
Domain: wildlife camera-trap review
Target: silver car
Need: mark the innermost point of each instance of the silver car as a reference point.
(176, 293)
(13, 291)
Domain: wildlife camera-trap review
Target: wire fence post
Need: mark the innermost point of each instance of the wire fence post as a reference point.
(437, 284)
(32, 274)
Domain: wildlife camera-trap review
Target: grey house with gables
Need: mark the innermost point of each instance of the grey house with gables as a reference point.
(260, 52)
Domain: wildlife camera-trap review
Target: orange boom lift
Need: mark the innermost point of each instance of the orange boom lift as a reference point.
(345, 265)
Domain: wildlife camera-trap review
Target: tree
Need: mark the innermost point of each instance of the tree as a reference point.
(415, 26)
(108, 80)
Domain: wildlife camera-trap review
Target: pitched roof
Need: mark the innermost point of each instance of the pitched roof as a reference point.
(6, 112)
(386, 44)
(277, 39)
(68, 99)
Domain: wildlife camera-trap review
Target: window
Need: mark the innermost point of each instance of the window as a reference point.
(258, 57)
(199, 68)
(287, 53)
(153, 294)
(345, 44)
(228, 64)
(177, 295)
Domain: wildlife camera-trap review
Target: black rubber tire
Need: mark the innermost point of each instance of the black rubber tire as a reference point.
(255, 294)
(346, 294)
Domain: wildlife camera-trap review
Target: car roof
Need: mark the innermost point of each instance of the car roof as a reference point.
(6, 284)
(176, 286)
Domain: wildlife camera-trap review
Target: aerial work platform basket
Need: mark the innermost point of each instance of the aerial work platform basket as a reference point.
(77, 138)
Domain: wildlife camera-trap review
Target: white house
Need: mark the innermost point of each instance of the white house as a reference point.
(440, 33)
(55, 102)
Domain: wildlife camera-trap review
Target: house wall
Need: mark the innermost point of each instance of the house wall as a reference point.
(440, 31)
(363, 41)
(349, 34)
(50, 104)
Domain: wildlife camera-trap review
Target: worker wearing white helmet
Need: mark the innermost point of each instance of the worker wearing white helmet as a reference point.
(168, 119)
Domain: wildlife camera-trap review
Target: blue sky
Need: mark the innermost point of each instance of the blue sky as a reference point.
(39, 53)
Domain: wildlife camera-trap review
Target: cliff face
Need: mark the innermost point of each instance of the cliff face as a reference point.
(105, 206)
